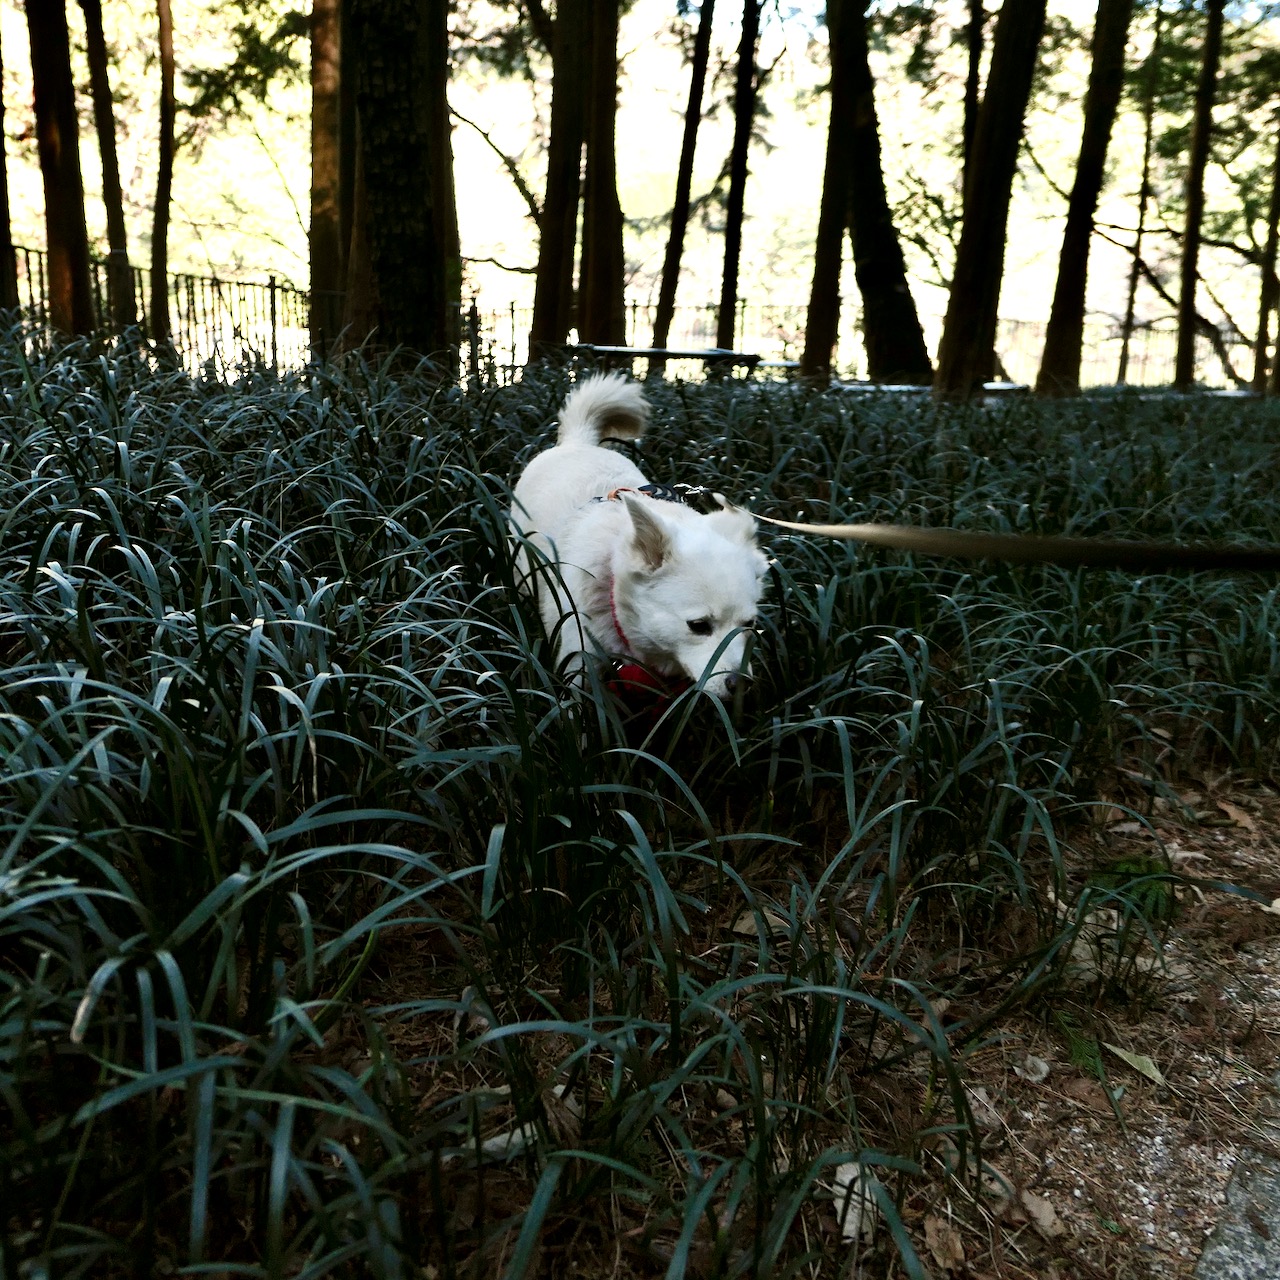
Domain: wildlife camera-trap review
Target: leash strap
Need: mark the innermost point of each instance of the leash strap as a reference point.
(1016, 548)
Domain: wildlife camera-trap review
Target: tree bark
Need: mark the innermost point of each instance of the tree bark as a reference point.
(684, 178)
(602, 278)
(896, 350)
(744, 110)
(120, 296)
(1150, 74)
(160, 329)
(1064, 337)
(968, 333)
(1270, 290)
(9, 300)
(1184, 367)
(57, 136)
(401, 225)
(326, 238)
(975, 31)
(822, 319)
(553, 302)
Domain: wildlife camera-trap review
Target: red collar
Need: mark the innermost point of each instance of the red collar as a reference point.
(613, 613)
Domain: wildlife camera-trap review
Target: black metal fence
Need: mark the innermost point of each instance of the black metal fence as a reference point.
(222, 325)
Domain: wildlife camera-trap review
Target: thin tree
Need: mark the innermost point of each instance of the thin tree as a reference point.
(1201, 134)
(968, 333)
(1149, 77)
(896, 350)
(159, 317)
(120, 296)
(57, 137)
(684, 178)
(602, 278)
(1270, 290)
(558, 226)
(744, 110)
(1064, 337)
(975, 32)
(9, 300)
(328, 267)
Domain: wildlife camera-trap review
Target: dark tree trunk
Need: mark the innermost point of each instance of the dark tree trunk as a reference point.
(1150, 74)
(57, 137)
(684, 178)
(328, 267)
(440, 160)
(1184, 367)
(968, 333)
(1064, 337)
(744, 111)
(822, 320)
(9, 300)
(160, 331)
(120, 299)
(553, 310)
(401, 225)
(602, 279)
(1270, 291)
(975, 31)
(896, 350)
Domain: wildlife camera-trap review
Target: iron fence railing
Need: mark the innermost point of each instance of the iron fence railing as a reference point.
(222, 324)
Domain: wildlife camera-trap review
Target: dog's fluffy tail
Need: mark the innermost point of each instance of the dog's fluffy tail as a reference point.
(602, 407)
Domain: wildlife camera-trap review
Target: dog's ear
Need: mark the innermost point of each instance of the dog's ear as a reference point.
(650, 538)
(735, 523)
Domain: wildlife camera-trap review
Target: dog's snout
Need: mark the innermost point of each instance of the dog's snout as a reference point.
(735, 681)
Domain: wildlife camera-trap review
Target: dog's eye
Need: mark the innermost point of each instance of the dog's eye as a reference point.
(700, 626)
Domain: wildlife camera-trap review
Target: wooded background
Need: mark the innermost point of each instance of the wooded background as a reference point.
(1201, 80)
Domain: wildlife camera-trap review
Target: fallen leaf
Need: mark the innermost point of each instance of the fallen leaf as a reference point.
(1139, 1062)
(985, 1115)
(748, 923)
(1042, 1214)
(1088, 1093)
(1032, 1068)
(944, 1242)
(855, 1205)
(1239, 816)
(1273, 909)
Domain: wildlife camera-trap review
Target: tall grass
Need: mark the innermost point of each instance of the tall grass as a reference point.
(337, 938)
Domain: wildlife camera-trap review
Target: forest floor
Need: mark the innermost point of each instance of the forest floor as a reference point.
(1118, 1168)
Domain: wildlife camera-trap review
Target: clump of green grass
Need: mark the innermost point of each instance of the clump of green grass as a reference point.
(336, 937)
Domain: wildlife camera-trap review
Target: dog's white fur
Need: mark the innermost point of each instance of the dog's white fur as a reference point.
(636, 571)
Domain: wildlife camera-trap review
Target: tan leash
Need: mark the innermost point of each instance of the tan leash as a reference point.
(1018, 548)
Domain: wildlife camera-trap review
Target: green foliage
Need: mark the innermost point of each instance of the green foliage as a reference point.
(337, 937)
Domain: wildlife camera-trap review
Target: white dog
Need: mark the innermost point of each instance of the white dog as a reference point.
(651, 582)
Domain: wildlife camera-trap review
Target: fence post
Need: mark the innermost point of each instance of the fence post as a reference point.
(275, 346)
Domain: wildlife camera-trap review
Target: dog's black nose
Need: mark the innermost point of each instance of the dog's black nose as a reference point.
(735, 681)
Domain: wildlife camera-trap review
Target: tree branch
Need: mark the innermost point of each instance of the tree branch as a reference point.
(509, 164)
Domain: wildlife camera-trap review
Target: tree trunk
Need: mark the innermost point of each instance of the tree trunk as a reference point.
(1184, 367)
(1150, 74)
(9, 300)
(1064, 337)
(744, 110)
(822, 320)
(160, 330)
(400, 237)
(553, 309)
(975, 31)
(326, 238)
(444, 198)
(968, 333)
(602, 278)
(57, 137)
(684, 178)
(1270, 290)
(896, 350)
(120, 298)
